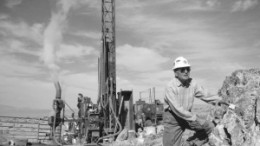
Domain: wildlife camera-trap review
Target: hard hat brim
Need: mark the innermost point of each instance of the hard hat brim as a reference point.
(180, 67)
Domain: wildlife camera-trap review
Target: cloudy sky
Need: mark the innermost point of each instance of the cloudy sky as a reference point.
(44, 40)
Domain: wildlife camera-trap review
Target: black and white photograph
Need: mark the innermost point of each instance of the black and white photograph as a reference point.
(130, 72)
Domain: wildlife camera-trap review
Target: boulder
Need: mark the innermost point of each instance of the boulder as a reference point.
(242, 88)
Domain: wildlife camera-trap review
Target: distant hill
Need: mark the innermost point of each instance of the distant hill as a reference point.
(6, 110)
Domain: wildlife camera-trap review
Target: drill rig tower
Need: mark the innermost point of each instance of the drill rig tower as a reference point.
(107, 67)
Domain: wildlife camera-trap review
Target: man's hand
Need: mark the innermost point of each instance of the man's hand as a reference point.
(201, 124)
(239, 111)
(197, 124)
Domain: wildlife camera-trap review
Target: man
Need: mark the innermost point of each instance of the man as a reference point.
(139, 124)
(179, 98)
(80, 99)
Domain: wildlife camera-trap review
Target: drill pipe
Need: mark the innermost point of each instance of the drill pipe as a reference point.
(58, 90)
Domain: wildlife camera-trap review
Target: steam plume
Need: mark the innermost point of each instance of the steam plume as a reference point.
(53, 35)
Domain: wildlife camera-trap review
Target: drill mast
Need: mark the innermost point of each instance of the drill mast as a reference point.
(107, 65)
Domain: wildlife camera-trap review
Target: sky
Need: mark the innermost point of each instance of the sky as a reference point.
(42, 41)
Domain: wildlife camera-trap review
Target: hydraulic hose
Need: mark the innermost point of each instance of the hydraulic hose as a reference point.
(117, 121)
(58, 90)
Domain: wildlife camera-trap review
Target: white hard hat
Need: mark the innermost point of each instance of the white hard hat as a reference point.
(180, 62)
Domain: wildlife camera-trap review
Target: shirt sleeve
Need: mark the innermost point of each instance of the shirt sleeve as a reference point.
(170, 99)
(203, 95)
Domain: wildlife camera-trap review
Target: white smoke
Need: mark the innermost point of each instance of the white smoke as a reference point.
(53, 35)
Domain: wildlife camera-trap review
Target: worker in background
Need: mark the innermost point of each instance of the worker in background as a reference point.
(139, 123)
(179, 98)
(80, 99)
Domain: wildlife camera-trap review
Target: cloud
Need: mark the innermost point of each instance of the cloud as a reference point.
(139, 58)
(173, 35)
(170, 5)
(215, 5)
(175, 5)
(89, 3)
(14, 67)
(20, 92)
(159, 30)
(23, 30)
(140, 68)
(92, 35)
(17, 60)
(73, 51)
(212, 3)
(196, 5)
(156, 78)
(12, 3)
(85, 83)
(133, 4)
(17, 81)
(14, 46)
(3, 16)
(243, 5)
(144, 81)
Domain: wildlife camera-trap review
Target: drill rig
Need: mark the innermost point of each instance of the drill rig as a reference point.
(112, 114)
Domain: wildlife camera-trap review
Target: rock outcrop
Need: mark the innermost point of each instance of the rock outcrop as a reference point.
(234, 128)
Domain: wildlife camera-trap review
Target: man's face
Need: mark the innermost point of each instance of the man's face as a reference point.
(182, 74)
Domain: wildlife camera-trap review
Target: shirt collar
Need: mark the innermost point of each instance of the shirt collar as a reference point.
(179, 83)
